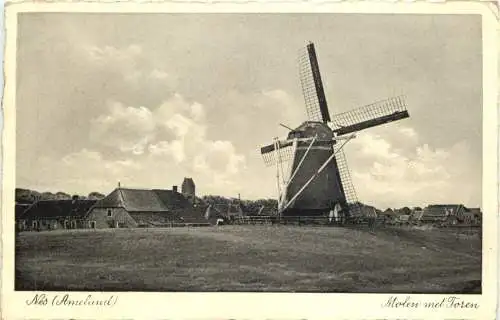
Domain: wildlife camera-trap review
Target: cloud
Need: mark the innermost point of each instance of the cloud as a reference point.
(164, 148)
(408, 132)
(172, 136)
(126, 74)
(122, 60)
(158, 74)
(386, 177)
(106, 53)
(252, 119)
(83, 172)
(124, 127)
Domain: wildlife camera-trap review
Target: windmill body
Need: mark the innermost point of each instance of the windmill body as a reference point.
(326, 188)
(318, 179)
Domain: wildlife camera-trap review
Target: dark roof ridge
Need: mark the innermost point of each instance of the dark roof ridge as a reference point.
(129, 188)
(48, 200)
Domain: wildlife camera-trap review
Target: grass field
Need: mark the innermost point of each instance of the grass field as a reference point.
(250, 258)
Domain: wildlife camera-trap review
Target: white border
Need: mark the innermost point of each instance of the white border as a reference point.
(258, 305)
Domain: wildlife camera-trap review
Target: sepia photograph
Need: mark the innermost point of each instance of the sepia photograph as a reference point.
(271, 152)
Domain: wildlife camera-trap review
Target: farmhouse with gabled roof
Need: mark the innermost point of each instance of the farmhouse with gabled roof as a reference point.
(127, 207)
(450, 214)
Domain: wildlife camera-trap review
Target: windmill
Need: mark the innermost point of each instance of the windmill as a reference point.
(317, 180)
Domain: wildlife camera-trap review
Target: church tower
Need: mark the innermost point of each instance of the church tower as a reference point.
(188, 189)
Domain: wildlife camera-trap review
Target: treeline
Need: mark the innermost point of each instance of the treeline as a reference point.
(29, 196)
(250, 207)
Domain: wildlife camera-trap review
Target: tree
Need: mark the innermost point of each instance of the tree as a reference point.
(406, 211)
(62, 195)
(96, 195)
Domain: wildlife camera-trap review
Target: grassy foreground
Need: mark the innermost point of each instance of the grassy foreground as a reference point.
(250, 258)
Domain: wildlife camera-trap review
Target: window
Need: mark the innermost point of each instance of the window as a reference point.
(109, 212)
(92, 224)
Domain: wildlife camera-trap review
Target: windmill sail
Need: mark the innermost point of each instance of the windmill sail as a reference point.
(312, 85)
(316, 180)
(287, 148)
(284, 153)
(349, 191)
(370, 116)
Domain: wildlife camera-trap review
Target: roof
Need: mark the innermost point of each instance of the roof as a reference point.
(417, 214)
(445, 205)
(439, 212)
(20, 209)
(172, 200)
(58, 208)
(228, 209)
(475, 211)
(112, 200)
(141, 200)
(368, 211)
(144, 200)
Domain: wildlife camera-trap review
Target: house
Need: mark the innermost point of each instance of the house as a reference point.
(478, 215)
(439, 213)
(268, 211)
(467, 218)
(229, 210)
(402, 219)
(181, 206)
(450, 214)
(368, 211)
(387, 216)
(57, 214)
(20, 209)
(126, 207)
(417, 215)
(212, 214)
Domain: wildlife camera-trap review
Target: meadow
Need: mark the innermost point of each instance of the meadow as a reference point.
(250, 258)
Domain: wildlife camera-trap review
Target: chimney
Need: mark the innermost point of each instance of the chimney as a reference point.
(174, 189)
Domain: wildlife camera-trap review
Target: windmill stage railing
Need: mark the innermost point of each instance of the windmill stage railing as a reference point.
(370, 116)
(286, 148)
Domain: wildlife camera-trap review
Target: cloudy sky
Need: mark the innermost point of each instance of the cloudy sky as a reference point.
(146, 99)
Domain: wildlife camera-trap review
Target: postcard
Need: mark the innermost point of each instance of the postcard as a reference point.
(250, 161)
